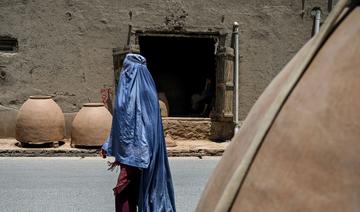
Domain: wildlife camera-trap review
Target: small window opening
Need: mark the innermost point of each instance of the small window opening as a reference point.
(8, 44)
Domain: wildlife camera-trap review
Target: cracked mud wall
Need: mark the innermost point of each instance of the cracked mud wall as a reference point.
(65, 46)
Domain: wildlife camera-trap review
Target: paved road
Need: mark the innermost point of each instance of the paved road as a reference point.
(75, 184)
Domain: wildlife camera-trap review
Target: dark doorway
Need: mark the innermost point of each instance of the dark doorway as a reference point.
(181, 66)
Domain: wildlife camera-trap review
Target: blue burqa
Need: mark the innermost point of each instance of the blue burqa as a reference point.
(137, 137)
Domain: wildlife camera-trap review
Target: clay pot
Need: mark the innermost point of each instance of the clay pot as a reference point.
(164, 104)
(40, 120)
(91, 125)
(163, 109)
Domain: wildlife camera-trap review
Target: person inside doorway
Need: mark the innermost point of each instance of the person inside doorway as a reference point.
(202, 104)
(137, 142)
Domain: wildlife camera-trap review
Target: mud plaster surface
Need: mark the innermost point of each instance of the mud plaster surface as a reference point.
(65, 47)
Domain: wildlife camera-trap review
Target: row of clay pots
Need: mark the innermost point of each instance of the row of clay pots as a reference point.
(40, 120)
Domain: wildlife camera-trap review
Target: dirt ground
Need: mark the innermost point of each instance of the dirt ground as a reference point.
(10, 147)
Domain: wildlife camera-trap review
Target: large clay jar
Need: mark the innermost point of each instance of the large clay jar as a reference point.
(91, 125)
(299, 147)
(164, 104)
(163, 109)
(40, 120)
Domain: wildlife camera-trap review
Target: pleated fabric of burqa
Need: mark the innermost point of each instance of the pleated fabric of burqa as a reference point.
(137, 137)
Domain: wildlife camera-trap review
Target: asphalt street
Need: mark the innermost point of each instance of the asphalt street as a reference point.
(84, 184)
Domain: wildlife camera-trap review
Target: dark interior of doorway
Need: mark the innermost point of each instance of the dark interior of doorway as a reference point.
(181, 66)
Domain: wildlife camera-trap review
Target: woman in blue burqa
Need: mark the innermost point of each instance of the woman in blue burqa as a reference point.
(137, 143)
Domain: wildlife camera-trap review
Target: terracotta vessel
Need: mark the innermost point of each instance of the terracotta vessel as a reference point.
(299, 147)
(40, 120)
(91, 125)
(162, 97)
(163, 109)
